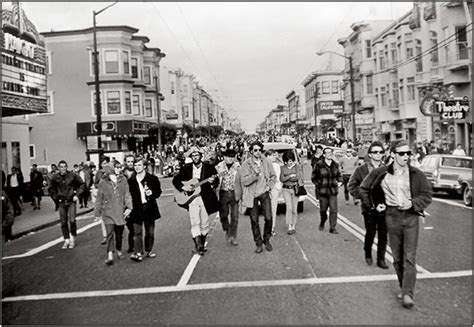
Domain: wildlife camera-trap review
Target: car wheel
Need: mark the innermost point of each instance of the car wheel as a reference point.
(467, 195)
(300, 206)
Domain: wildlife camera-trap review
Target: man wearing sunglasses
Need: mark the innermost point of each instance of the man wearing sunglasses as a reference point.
(257, 178)
(403, 192)
(373, 220)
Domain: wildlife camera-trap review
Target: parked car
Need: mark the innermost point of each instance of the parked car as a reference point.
(444, 170)
(466, 189)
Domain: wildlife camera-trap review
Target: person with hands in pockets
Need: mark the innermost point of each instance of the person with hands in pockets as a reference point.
(403, 192)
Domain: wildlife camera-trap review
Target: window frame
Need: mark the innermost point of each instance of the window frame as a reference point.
(371, 88)
(32, 147)
(323, 87)
(128, 62)
(125, 102)
(138, 67)
(109, 50)
(139, 104)
(119, 102)
(150, 100)
(145, 67)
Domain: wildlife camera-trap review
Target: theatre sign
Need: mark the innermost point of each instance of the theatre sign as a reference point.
(23, 64)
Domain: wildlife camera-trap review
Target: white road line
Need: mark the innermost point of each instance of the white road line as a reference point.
(230, 285)
(305, 257)
(49, 244)
(452, 203)
(360, 234)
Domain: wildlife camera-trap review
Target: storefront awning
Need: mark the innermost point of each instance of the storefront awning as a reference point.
(118, 128)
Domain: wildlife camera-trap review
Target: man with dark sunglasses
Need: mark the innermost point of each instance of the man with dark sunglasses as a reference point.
(373, 220)
(403, 192)
(257, 178)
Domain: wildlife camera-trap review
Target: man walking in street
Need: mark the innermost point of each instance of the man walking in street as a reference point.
(373, 220)
(128, 172)
(36, 183)
(327, 178)
(227, 170)
(205, 203)
(348, 164)
(257, 180)
(403, 192)
(65, 189)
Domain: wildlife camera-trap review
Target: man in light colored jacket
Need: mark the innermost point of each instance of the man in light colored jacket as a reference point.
(255, 180)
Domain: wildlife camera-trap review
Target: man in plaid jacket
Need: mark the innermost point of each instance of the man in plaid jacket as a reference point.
(327, 179)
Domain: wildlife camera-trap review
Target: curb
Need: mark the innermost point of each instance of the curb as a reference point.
(45, 225)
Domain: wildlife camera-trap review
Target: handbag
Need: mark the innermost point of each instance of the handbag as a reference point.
(300, 190)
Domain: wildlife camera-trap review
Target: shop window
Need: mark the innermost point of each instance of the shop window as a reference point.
(111, 62)
(113, 102)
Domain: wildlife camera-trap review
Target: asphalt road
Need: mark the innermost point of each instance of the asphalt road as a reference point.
(311, 277)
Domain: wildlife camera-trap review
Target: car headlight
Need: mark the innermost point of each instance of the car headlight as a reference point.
(435, 173)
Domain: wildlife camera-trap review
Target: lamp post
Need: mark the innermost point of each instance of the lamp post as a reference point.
(98, 107)
(351, 81)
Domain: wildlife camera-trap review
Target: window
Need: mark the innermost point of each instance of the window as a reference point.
(456, 162)
(172, 87)
(325, 87)
(383, 97)
(419, 57)
(389, 100)
(368, 48)
(186, 111)
(134, 62)
(461, 40)
(16, 155)
(409, 49)
(411, 88)
(395, 96)
(93, 62)
(434, 49)
(446, 45)
(49, 70)
(334, 87)
(370, 85)
(113, 102)
(381, 60)
(393, 52)
(377, 96)
(147, 75)
(386, 54)
(402, 98)
(136, 104)
(128, 103)
(32, 151)
(185, 90)
(111, 62)
(318, 89)
(148, 108)
(126, 62)
(399, 48)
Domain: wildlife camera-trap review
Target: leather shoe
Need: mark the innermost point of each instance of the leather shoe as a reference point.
(259, 249)
(382, 264)
(321, 226)
(333, 231)
(268, 246)
(407, 301)
(369, 261)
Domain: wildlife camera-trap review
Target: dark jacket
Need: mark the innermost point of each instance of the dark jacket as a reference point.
(112, 201)
(63, 188)
(372, 194)
(208, 194)
(19, 177)
(354, 183)
(325, 178)
(7, 212)
(36, 182)
(148, 212)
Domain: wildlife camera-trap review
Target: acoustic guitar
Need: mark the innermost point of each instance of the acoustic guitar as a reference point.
(184, 198)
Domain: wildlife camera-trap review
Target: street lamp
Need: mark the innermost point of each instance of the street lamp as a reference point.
(98, 108)
(351, 79)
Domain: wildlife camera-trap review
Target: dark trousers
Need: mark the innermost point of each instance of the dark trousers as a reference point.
(266, 204)
(227, 203)
(375, 222)
(345, 181)
(84, 197)
(149, 227)
(325, 202)
(67, 214)
(14, 194)
(403, 228)
(130, 234)
(114, 233)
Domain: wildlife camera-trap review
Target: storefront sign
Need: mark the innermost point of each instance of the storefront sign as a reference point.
(453, 109)
(171, 116)
(106, 127)
(331, 107)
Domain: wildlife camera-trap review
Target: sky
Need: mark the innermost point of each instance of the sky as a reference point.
(247, 55)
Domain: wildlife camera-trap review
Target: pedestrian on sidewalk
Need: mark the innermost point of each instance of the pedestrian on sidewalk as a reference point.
(15, 189)
(205, 203)
(275, 192)
(374, 221)
(84, 174)
(327, 179)
(227, 170)
(403, 192)
(8, 217)
(105, 160)
(36, 186)
(257, 180)
(65, 188)
(113, 204)
(291, 176)
(145, 189)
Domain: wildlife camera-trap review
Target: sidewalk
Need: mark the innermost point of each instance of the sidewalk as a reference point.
(33, 220)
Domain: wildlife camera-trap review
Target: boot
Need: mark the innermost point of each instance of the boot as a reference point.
(197, 245)
(203, 243)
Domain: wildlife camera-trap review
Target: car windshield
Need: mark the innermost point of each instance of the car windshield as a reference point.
(457, 162)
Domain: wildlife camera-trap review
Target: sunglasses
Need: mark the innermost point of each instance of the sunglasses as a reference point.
(257, 150)
(403, 153)
(376, 152)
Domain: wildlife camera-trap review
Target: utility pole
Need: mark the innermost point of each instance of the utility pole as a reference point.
(194, 123)
(315, 116)
(354, 130)
(158, 113)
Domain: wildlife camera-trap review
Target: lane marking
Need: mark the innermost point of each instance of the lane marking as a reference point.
(230, 285)
(452, 203)
(360, 234)
(305, 257)
(49, 244)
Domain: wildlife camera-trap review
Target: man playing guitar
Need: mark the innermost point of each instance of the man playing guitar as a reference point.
(205, 203)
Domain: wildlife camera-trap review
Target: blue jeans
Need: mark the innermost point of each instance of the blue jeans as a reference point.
(266, 204)
(226, 202)
(149, 227)
(403, 227)
(325, 202)
(67, 214)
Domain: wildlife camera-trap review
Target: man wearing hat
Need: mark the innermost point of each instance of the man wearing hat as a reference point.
(227, 170)
(203, 205)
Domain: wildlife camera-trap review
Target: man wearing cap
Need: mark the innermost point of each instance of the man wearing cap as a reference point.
(257, 178)
(227, 170)
(205, 203)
